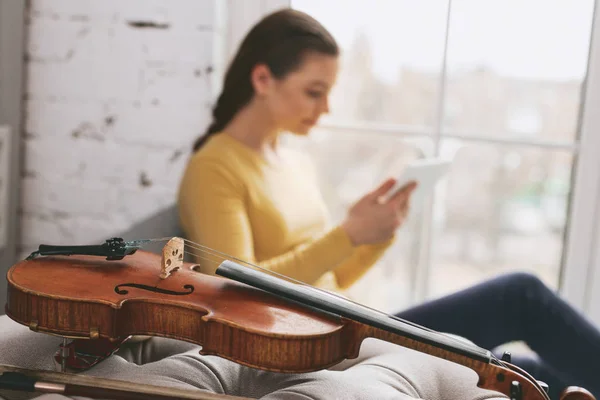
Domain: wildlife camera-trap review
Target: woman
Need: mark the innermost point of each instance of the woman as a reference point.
(245, 195)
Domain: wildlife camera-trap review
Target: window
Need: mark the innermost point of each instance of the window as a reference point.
(500, 91)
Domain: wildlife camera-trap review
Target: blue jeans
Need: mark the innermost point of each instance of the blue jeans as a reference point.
(520, 307)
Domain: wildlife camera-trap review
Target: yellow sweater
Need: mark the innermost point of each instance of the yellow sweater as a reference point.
(234, 201)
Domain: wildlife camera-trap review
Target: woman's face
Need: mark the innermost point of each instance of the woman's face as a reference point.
(296, 101)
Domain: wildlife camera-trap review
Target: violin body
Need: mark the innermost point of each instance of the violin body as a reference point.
(89, 297)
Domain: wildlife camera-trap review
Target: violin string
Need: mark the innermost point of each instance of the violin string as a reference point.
(451, 338)
(205, 250)
(224, 257)
(208, 251)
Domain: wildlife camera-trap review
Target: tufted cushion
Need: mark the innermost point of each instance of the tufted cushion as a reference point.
(383, 371)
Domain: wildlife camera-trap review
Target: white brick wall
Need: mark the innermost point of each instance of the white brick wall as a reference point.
(111, 111)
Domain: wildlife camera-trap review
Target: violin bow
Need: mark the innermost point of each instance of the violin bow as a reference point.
(21, 379)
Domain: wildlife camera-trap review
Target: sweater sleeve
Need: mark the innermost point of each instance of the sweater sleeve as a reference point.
(361, 260)
(213, 213)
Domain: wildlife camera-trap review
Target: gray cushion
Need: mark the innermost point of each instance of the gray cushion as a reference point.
(383, 371)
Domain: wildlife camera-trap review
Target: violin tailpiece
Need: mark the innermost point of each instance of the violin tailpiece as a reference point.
(172, 257)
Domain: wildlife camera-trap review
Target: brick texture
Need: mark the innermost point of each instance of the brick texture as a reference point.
(117, 90)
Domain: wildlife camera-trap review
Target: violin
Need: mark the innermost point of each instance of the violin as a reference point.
(258, 319)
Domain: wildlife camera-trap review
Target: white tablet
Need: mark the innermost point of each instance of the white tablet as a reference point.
(426, 172)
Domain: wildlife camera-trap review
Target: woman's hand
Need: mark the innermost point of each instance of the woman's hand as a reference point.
(372, 220)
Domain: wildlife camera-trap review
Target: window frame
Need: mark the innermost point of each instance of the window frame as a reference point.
(581, 263)
(581, 251)
(12, 49)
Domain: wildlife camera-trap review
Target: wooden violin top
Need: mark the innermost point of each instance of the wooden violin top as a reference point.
(136, 279)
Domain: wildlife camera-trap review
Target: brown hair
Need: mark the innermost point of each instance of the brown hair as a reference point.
(280, 41)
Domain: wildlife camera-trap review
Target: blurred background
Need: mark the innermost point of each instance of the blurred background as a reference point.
(100, 101)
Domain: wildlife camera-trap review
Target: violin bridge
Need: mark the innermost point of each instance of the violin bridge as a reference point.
(172, 257)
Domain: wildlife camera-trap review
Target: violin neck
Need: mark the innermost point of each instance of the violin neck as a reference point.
(374, 323)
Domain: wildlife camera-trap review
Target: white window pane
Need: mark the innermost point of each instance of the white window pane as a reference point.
(500, 209)
(391, 58)
(514, 69)
(517, 67)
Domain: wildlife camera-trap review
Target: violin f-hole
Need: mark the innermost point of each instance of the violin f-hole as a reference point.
(119, 289)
